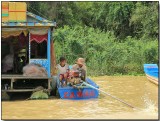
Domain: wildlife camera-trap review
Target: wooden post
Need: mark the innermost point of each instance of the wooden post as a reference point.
(48, 53)
(49, 83)
(29, 48)
(12, 80)
(53, 60)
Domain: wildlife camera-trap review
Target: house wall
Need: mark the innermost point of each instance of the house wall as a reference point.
(46, 63)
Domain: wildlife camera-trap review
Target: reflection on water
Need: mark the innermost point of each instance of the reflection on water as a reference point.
(135, 90)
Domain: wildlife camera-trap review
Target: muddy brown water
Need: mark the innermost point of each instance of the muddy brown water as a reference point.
(135, 90)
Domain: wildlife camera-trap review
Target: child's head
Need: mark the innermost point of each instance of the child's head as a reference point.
(62, 61)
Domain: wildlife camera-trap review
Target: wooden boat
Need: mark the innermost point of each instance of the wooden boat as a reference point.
(151, 71)
(81, 93)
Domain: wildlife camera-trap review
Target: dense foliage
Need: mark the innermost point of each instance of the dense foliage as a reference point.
(103, 54)
(114, 37)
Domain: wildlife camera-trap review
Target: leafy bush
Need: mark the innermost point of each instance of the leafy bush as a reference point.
(103, 54)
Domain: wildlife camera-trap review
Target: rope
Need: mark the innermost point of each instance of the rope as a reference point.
(111, 95)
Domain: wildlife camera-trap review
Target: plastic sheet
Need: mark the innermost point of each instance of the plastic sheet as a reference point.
(34, 70)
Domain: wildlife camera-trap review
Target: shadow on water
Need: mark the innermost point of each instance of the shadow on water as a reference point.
(16, 96)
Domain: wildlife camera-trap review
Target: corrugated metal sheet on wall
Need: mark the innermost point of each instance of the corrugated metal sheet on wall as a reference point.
(5, 14)
(14, 12)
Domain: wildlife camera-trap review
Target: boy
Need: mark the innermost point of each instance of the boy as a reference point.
(63, 70)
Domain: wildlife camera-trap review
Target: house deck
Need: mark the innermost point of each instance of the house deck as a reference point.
(14, 78)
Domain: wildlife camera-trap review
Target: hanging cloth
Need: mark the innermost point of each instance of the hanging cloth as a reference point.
(38, 38)
(7, 32)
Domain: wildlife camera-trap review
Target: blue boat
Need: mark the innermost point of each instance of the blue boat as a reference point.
(151, 71)
(81, 93)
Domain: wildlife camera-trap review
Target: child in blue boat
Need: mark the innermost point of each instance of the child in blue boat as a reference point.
(63, 70)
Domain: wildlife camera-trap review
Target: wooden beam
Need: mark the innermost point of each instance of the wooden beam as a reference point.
(23, 77)
(19, 90)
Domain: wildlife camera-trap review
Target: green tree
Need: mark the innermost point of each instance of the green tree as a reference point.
(145, 19)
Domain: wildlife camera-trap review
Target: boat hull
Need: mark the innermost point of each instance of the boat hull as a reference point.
(152, 79)
(151, 71)
(79, 94)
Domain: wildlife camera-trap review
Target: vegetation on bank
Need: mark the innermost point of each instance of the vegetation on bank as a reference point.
(114, 37)
(104, 55)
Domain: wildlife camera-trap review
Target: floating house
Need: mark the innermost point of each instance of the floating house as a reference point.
(27, 37)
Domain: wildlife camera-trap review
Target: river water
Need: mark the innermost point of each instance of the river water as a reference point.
(135, 90)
